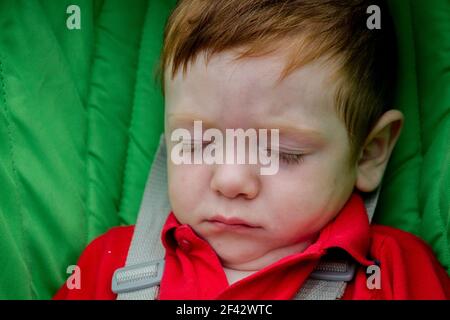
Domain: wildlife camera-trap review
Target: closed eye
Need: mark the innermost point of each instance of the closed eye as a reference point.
(291, 158)
(288, 157)
(193, 145)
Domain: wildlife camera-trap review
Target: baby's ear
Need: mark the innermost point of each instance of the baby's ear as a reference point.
(377, 149)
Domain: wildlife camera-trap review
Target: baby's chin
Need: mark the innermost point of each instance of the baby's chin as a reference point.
(242, 253)
(238, 254)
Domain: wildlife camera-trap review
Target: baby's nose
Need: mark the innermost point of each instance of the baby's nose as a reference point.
(234, 180)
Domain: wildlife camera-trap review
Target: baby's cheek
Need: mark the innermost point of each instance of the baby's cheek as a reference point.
(185, 188)
(178, 188)
(305, 198)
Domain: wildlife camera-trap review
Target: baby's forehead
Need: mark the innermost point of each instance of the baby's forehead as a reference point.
(252, 83)
(271, 67)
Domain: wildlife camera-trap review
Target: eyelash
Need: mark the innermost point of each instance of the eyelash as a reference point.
(291, 158)
(288, 158)
(189, 146)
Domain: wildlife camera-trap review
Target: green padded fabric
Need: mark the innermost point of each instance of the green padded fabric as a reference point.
(80, 119)
(81, 114)
(415, 194)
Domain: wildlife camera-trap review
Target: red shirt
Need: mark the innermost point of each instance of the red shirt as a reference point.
(408, 267)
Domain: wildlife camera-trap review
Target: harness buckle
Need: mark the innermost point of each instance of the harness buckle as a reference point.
(138, 276)
(334, 270)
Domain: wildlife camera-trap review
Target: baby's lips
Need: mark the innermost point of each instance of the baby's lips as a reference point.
(232, 221)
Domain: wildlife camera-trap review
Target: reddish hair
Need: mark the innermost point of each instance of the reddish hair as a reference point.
(331, 29)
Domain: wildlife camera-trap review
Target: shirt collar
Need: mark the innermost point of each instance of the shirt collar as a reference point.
(350, 231)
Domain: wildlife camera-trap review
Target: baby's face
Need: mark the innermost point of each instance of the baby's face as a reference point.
(252, 220)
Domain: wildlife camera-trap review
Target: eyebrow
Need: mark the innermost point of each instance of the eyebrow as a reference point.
(297, 132)
(285, 129)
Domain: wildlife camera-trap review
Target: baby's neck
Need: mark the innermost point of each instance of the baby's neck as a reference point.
(236, 275)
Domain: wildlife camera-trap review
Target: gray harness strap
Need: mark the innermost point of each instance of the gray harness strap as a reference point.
(328, 281)
(140, 278)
